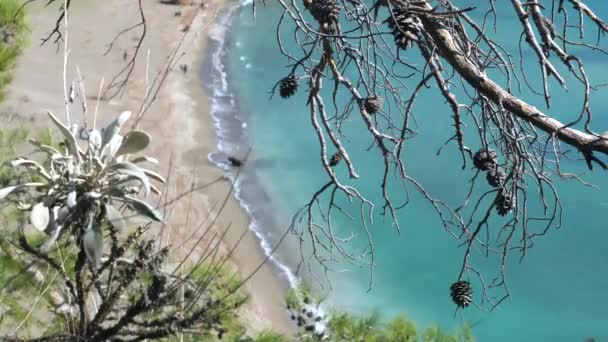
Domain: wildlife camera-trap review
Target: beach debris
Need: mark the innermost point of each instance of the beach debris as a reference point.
(312, 319)
(125, 55)
(177, 14)
(308, 315)
(183, 68)
(405, 26)
(335, 159)
(373, 104)
(505, 202)
(234, 161)
(496, 176)
(485, 159)
(462, 293)
(288, 86)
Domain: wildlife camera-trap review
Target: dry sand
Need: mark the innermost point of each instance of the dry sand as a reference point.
(178, 120)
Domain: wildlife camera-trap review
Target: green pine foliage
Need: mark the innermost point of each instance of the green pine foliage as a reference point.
(13, 30)
(9, 140)
(18, 290)
(348, 327)
(270, 336)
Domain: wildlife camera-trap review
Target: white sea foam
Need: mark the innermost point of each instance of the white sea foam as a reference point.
(223, 103)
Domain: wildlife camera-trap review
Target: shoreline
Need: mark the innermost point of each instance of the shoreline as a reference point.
(232, 124)
(179, 121)
(267, 288)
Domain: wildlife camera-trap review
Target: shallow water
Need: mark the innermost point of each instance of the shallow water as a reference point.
(558, 291)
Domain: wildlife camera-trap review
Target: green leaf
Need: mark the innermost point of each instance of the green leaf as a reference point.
(115, 218)
(44, 148)
(39, 216)
(132, 170)
(116, 192)
(112, 146)
(69, 137)
(30, 163)
(11, 189)
(133, 142)
(143, 208)
(54, 231)
(114, 127)
(92, 241)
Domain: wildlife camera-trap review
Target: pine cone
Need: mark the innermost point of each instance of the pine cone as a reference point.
(335, 159)
(324, 11)
(373, 104)
(405, 26)
(496, 176)
(505, 202)
(288, 86)
(485, 159)
(462, 293)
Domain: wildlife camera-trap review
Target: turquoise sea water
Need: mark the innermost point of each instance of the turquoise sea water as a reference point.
(560, 290)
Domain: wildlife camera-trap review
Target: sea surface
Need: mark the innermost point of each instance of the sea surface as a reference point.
(559, 292)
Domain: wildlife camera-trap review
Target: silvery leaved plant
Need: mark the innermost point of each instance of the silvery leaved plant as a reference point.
(79, 191)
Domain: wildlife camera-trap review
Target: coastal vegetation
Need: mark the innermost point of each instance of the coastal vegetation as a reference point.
(84, 266)
(13, 38)
(306, 309)
(80, 252)
(83, 245)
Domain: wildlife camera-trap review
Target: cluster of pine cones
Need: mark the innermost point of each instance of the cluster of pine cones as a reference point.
(462, 293)
(487, 160)
(326, 12)
(405, 25)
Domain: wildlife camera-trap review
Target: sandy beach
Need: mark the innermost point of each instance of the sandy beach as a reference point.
(178, 118)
